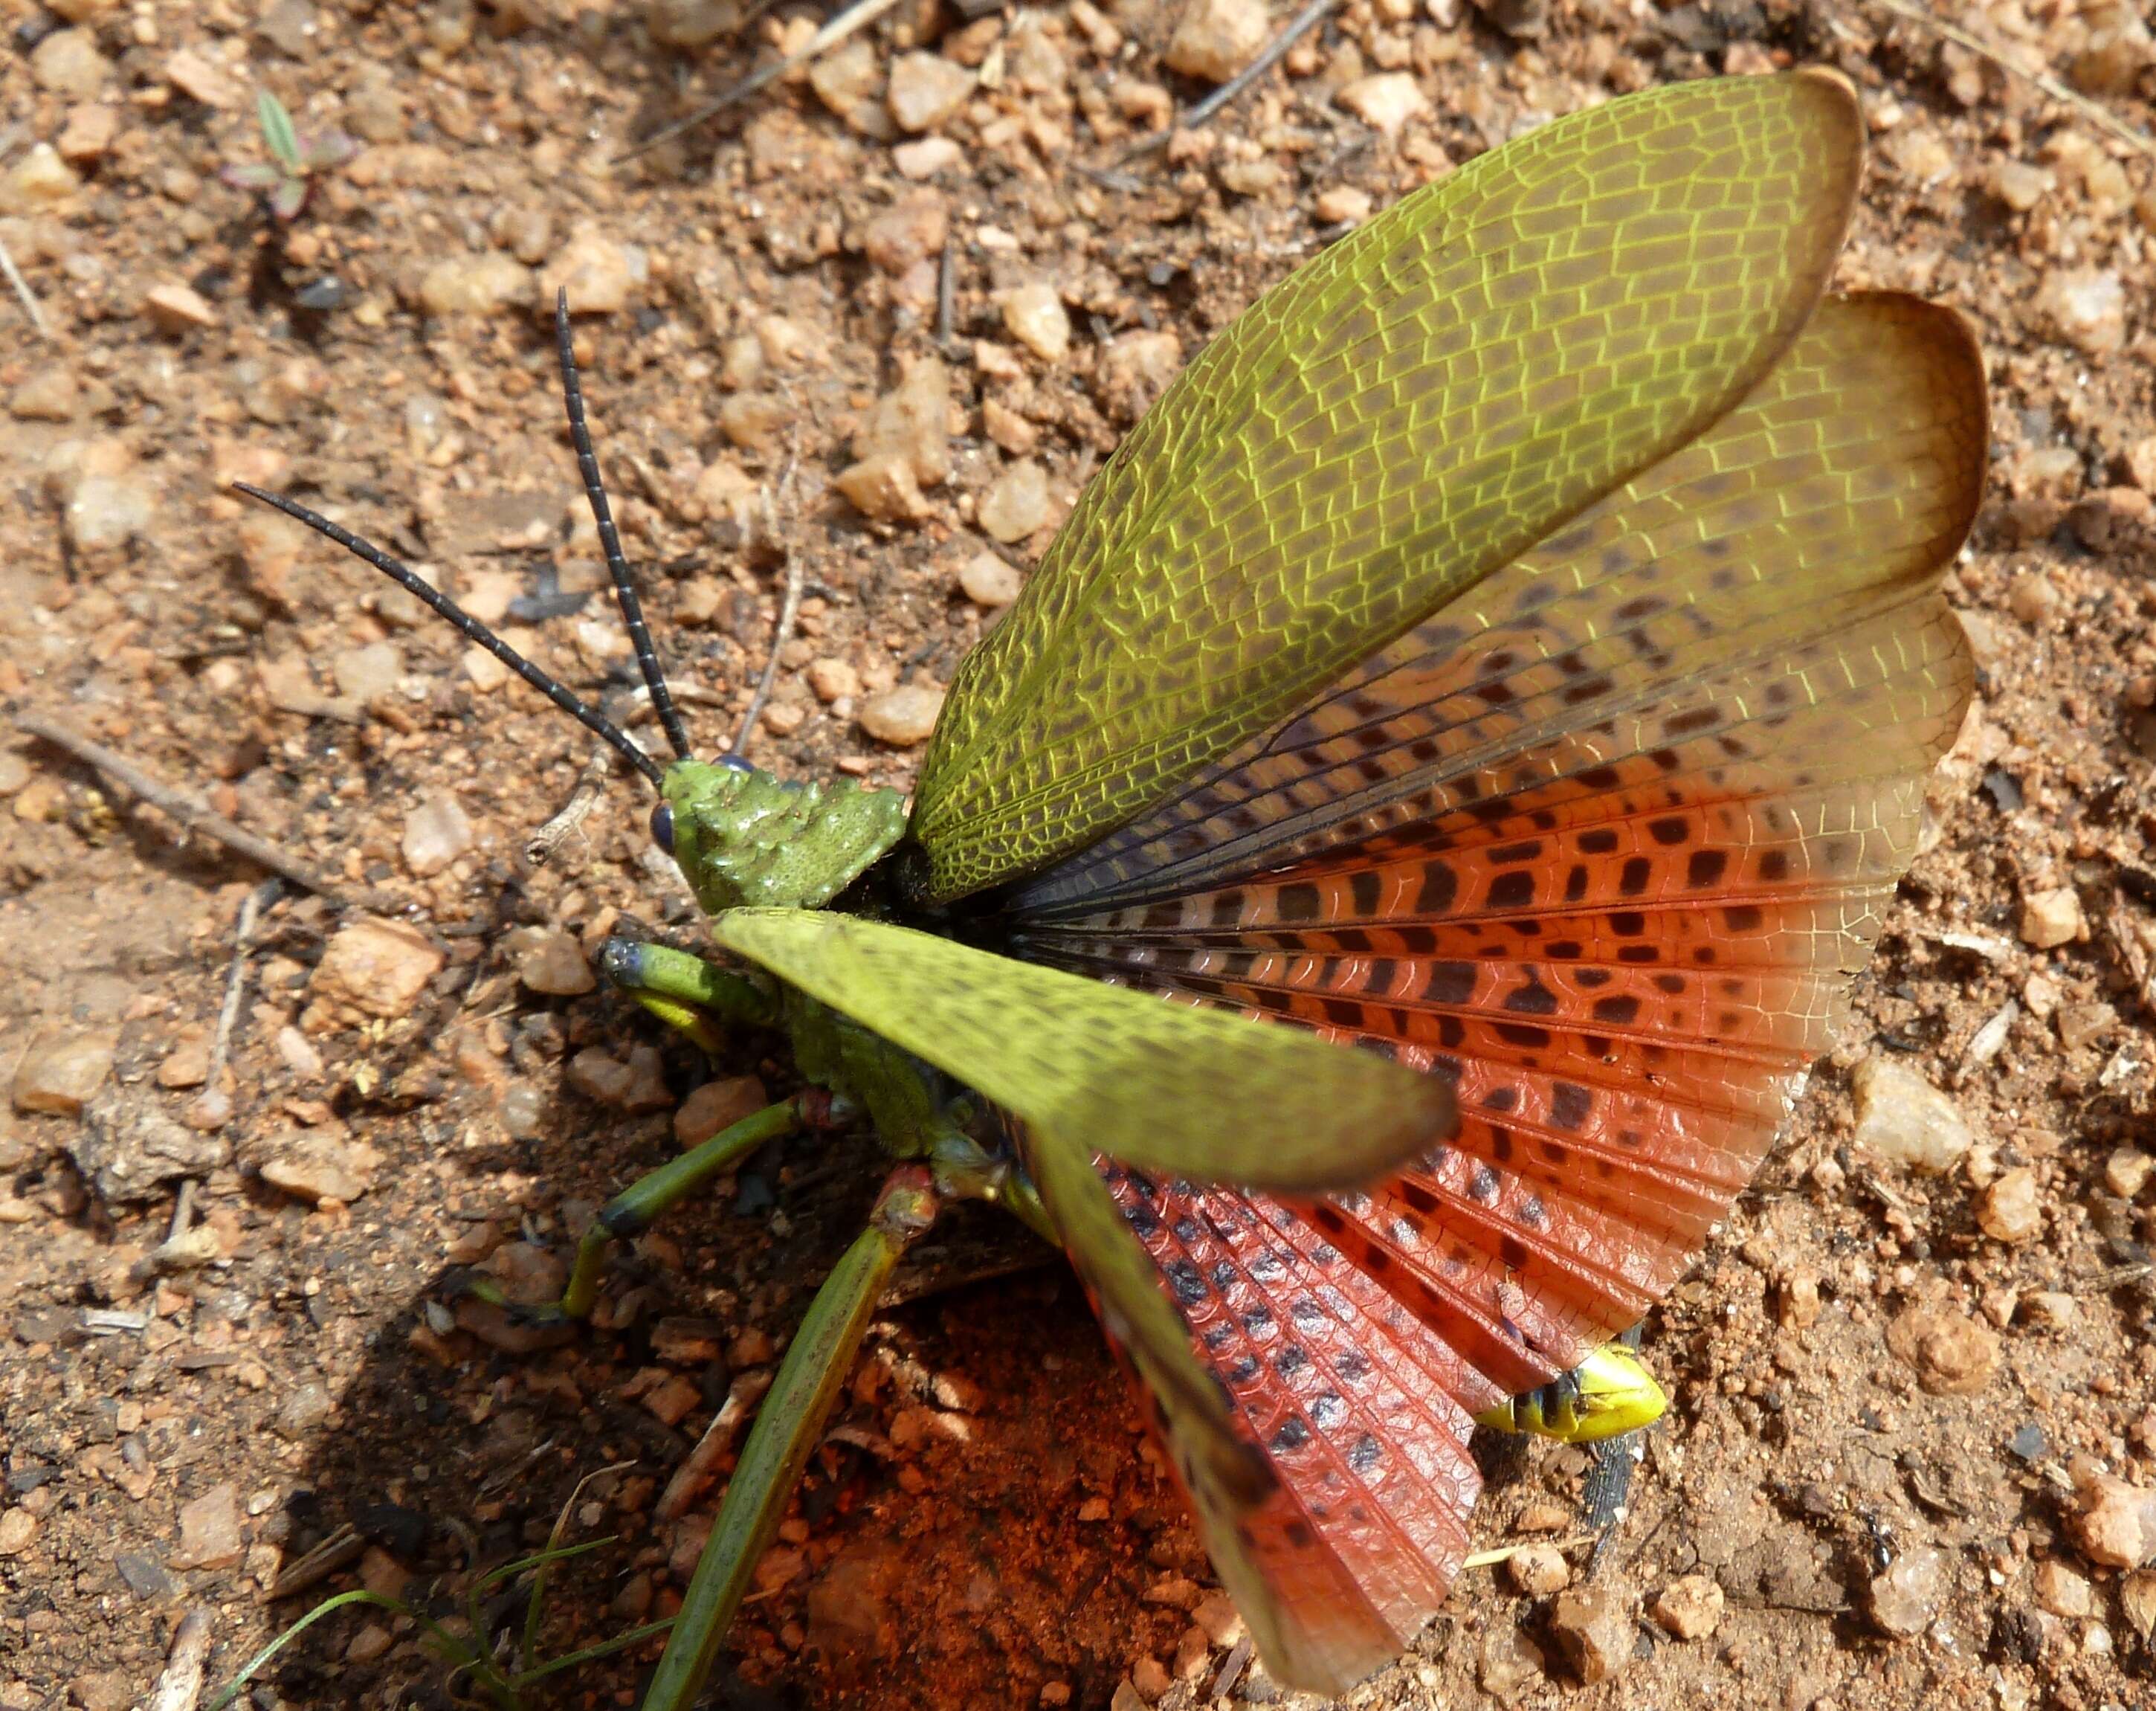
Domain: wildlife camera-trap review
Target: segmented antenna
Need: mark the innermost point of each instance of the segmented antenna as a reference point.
(471, 629)
(624, 590)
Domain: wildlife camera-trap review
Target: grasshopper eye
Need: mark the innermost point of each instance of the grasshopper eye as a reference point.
(662, 827)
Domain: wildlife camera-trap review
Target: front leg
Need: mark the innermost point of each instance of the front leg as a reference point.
(690, 995)
(687, 993)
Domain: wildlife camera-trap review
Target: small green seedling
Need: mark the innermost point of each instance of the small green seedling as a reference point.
(461, 1647)
(1490, 693)
(286, 179)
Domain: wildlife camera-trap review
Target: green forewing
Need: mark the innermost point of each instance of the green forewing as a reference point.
(1179, 1091)
(1422, 403)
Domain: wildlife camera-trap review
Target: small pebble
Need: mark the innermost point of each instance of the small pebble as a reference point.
(370, 968)
(187, 1065)
(2127, 1171)
(201, 79)
(2081, 1025)
(2009, 1209)
(1906, 1599)
(368, 673)
(175, 308)
(849, 80)
(1216, 1613)
(298, 1056)
(908, 233)
(1016, 505)
(129, 1149)
(912, 421)
(551, 961)
(1150, 1678)
(1136, 370)
(436, 834)
(1593, 1626)
(49, 394)
(68, 64)
(317, 1165)
(370, 1643)
(486, 283)
(692, 23)
(1901, 1118)
(210, 1530)
(833, 681)
(307, 1407)
(18, 1527)
(88, 134)
(106, 512)
(2051, 917)
(2019, 185)
(1034, 316)
(1690, 1607)
(989, 581)
(2062, 1591)
(526, 1273)
(39, 181)
(2137, 1599)
(926, 90)
(62, 1068)
(902, 717)
(926, 156)
(1538, 1570)
(1951, 1353)
(1214, 39)
(597, 1074)
(600, 275)
(1384, 102)
(1344, 204)
(884, 487)
(2114, 1524)
(2084, 307)
(523, 1111)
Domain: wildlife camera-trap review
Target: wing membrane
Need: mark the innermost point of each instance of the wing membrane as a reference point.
(1186, 1091)
(1419, 405)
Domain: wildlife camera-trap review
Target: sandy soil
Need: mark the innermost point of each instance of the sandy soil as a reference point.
(1900, 1395)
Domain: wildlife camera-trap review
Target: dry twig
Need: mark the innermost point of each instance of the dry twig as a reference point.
(2094, 111)
(1199, 112)
(540, 847)
(196, 815)
(696, 1473)
(851, 22)
(236, 980)
(789, 609)
(179, 1686)
(30, 304)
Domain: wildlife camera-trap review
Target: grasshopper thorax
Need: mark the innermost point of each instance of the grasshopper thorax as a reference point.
(743, 838)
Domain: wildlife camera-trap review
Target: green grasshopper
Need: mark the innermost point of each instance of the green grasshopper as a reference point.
(1514, 648)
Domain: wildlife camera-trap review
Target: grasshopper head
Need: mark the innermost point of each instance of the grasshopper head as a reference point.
(743, 838)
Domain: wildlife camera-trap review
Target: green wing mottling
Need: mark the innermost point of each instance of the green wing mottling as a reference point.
(1419, 405)
(1177, 1091)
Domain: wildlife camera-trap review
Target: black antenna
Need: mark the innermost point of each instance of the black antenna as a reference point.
(469, 626)
(624, 590)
